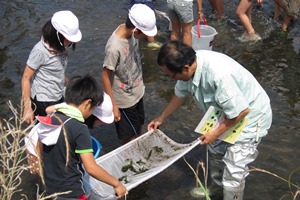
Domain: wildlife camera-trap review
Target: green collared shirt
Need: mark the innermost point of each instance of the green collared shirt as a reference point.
(222, 82)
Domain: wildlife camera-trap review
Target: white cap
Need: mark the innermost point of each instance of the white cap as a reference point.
(66, 23)
(104, 112)
(143, 18)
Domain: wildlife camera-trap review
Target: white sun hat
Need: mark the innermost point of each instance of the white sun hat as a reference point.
(104, 112)
(143, 18)
(67, 24)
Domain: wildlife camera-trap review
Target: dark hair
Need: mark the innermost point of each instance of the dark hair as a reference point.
(175, 55)
(81, 88)
(50, 37)
(128, 23)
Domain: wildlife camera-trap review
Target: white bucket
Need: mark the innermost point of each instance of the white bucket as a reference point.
(203, 40)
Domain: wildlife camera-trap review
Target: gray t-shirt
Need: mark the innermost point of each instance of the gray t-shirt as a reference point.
(47, 84)
(123, 58)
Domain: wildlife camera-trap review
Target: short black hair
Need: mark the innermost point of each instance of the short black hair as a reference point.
(50, 37)
(81, 88)
(128, 23)
(175, 55)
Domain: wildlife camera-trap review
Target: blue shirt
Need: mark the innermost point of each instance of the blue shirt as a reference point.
(222, 82)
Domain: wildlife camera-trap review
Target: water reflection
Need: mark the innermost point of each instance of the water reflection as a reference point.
(274, 62)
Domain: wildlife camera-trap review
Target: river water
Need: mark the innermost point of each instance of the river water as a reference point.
(274, 62)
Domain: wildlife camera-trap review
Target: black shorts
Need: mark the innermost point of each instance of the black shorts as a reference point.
(90, 121)
(39, 107)
(132, 120)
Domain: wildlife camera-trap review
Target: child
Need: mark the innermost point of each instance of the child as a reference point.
(182, 18)
(276, 11)
(218, 7)
(102, 114)
(44, 75)
(66, 147)
(291, 9)
(151, 40)
(122, 71)
(243, 11)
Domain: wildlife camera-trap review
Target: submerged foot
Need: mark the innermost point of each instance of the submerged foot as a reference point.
(250, 37)
(282, 33)
(198, 192)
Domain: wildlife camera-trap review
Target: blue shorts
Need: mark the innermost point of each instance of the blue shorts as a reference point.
(132, 120)
(181, 10)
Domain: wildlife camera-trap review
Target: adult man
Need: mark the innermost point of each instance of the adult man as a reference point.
(215, 79)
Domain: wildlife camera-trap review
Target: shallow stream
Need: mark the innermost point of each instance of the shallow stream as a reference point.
(274, 62)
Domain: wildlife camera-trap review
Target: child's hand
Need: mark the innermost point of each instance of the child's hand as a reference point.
(50, 109)
(28, 115)
(201, 15)
(120, 190)
(117, 113)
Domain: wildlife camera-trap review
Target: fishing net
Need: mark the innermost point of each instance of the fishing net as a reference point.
(137, 161)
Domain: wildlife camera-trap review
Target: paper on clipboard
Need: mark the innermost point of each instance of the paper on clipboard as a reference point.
(211, 120)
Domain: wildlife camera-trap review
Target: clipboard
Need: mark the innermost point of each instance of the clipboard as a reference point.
(211, 120)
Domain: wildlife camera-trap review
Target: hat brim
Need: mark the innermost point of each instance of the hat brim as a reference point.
(106, 120)
(152, 32)
(74, 38)
(104, 112)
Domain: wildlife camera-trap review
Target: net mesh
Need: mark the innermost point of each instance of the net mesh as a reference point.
(137, 161)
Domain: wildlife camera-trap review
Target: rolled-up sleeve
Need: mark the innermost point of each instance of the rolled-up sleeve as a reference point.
(181, 89)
